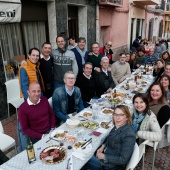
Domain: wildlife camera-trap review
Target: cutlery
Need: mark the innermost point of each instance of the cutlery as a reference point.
(86, 142)
(84, 147)
(68, 163)
(107, 124)
(50, 138)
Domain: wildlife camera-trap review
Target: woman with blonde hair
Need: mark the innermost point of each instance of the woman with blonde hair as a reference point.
(118, 146)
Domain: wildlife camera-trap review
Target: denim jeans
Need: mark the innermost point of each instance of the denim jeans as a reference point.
(22, 138)
(56, 85)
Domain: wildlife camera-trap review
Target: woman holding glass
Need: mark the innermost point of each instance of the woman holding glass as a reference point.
(158, 103)
(144, 123)
(118, 146)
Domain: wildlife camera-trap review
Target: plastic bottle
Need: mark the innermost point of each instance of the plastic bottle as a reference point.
(95, 109)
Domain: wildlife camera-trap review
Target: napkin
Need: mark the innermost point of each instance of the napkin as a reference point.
(79, 155)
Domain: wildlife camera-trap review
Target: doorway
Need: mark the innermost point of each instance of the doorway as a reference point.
(73, 22)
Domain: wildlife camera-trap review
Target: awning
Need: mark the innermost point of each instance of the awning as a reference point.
(10, 11)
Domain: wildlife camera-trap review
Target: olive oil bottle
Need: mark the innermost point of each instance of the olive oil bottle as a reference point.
(30, 151)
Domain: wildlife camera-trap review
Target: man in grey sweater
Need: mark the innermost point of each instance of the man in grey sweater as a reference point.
(64, 60)
(120, 69)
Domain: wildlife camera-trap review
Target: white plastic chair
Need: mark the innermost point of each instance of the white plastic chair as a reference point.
(13, 94)
(6, 141)
(50, 102)
(134, 158)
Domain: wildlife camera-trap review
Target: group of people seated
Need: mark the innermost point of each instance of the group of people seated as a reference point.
(72, 77)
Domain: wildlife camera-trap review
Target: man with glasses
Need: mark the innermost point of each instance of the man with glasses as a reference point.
(151, 58)
(120, 70)
(96, 56)
(67, 98)
(107, 51)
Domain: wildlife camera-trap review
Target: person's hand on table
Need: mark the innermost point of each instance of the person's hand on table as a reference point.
(121, 80)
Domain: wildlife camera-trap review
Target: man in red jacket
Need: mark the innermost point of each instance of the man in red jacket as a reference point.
(107, 51)
(35, 115)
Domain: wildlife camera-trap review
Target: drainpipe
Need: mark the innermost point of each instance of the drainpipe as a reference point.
(97, 21)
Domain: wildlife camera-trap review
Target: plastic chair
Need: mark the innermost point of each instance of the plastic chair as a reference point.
(50, 102)
(6, 141)
(165, 141)
(13, 94)
(134, 158)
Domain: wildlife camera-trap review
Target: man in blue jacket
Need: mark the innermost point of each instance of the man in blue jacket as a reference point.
(67, 98)
(80, 54)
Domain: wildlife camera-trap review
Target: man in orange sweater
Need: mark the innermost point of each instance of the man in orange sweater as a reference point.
(30, 73)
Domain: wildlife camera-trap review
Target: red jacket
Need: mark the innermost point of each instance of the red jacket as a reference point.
(101, 50)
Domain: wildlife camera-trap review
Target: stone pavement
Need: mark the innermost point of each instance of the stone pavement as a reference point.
(162, 161)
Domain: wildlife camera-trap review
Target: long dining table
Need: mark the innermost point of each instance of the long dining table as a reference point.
(20, 161)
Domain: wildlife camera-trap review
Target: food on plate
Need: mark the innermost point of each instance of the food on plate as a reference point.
(107, 111)
(87, 114)
(70, 138)
(50, 156)
(139, 89)
(104, 125)
(143, 82)
(61, 135)
(78, 144)
(115, 100)
(53, 154)
(89, 125)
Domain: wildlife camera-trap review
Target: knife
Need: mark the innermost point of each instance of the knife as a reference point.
(86, 142)
(68, 163)
(107, 124)
(84, 147)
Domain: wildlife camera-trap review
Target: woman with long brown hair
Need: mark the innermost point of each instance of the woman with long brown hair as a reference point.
(145, 123)
(158, 102)
(165, 56)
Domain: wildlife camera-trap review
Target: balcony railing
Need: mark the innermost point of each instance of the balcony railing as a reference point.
(146, 2)
(115, 3)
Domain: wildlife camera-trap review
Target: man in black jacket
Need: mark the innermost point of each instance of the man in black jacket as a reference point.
(86, 84)
(103, 79)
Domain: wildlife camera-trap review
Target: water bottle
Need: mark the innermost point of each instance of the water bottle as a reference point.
(95, 109)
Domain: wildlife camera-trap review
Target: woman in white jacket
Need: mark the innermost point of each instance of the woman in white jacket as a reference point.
(145, 123)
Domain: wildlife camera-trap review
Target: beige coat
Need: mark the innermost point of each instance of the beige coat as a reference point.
(150, 129)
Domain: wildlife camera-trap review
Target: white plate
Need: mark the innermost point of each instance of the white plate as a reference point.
(110, 124)
(88, 148)
(58, 131)
(86, 111)
(105, 113)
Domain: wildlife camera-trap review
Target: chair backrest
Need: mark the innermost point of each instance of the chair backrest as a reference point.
(134, 158)
(50, 102)
(1, 128)
(13, 89)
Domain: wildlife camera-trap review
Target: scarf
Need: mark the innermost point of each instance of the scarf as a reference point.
(137, 119)
(82, 54)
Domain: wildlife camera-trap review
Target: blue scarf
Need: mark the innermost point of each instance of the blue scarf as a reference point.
(82, 53)
(137, 119)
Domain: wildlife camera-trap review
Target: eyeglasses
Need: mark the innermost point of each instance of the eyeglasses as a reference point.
(110, 45)
(118, 115)
(70, 78)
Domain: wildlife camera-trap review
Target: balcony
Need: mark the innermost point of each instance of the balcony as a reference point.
(146, 2)
(113, 3)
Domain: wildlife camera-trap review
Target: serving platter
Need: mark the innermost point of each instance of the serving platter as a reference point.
(53, 154)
